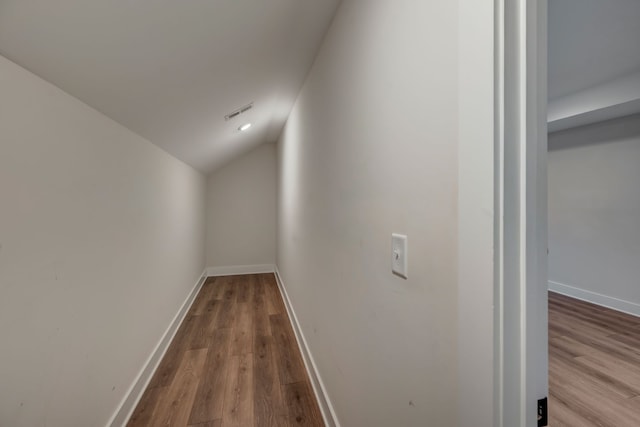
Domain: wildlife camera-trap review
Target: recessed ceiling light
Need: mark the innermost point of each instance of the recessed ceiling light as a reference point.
(244, 127)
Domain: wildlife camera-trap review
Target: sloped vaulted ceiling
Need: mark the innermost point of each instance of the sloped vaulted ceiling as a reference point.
(170, 70)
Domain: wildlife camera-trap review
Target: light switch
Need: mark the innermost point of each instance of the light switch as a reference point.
(399, 252)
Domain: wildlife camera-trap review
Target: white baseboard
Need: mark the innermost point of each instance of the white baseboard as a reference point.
(234, 270)
(596, 298)
(326, 408)
(131, 399)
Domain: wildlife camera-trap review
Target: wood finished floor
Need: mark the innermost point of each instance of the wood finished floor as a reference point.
(233, 362)
(594, 365)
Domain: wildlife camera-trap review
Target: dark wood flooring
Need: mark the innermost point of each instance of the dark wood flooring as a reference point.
(594, 365)
(233, 362)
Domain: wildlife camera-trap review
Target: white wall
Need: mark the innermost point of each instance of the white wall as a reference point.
(478, 352)
(370, 149)
(594, 208)
(101, 240)
(241, 210)
(619, 91)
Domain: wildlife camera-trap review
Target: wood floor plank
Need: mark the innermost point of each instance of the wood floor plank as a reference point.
(227, 315)
(584, 377)
(574, 325)
(238, 397)
(214, 423)
(261, 322)
(174, 406)
(201, 300)
(205, 325)
(218, 287)
(259, 285)
(230, 362)
(170, 362)
(630, 339)
(210, 395)
(576, 348)
(593, 312)
(608, 345)
(594, 406)
(268, 403)
(563, 416)
(245, 288)
(616, 371)
(288, 358)
(142, 415)
(302, 408)
(275, 305)
(242, 341)
(594, 365)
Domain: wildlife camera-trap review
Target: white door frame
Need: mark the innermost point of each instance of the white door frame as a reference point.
(502, 233)
(521, 226)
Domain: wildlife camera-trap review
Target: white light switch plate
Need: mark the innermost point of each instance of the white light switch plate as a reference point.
(399, 252)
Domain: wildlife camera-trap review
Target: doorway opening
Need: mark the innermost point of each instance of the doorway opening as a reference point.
(594, 212)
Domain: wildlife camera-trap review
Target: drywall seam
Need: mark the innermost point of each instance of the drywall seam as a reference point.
(595, 298)
(326, 408)
(134, 394)
(234, 270)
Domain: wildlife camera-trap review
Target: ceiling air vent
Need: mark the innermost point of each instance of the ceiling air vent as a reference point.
(239, 111)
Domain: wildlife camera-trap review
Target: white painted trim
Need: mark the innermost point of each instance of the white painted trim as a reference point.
(134, 394)
(234, 270)
(520, 213)
(595, 298)
(326, 408)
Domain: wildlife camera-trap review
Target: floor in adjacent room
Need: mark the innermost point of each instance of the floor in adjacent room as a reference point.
(594, 365)
(233, 362)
